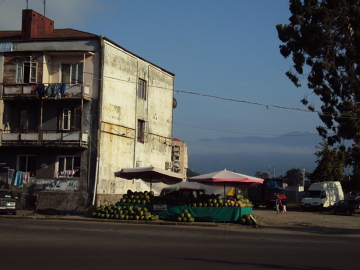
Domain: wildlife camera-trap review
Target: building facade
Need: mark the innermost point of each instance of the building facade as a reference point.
(75, 108)
(180, 157)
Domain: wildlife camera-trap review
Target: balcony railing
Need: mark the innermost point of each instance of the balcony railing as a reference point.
(46, 90)
(44, 138)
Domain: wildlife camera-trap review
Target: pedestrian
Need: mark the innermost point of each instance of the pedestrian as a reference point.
(277, 203)
(284, 209)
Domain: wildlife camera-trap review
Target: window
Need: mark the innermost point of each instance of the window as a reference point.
(26, 70)
(27, 163)
(69, 166)
(28, 119)
(142, 89)
(141, 131)
(72, 73)
(66, 117)
(70, 119)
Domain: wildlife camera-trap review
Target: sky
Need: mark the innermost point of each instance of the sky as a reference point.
(219, 50)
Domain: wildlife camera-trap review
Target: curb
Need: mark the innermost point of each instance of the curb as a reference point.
(88, 219)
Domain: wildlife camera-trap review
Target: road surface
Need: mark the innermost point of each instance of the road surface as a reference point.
(51, 244)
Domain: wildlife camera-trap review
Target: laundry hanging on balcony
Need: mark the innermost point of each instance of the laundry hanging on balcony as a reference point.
(18, 179)
(10, 176)
(67, 173)
(26, 178)
(52, 90)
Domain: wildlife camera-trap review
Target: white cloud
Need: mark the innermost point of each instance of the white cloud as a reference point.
(65, 13)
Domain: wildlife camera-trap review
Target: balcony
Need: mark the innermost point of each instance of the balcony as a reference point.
(37, 91)
(45, 138)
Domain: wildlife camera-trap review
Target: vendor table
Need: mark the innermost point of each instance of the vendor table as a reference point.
(208, 214)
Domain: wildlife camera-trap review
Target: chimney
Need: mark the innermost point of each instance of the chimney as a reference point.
(35, 24)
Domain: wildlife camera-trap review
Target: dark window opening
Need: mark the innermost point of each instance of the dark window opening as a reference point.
(27, 164)
(141, 131)
(28, 120)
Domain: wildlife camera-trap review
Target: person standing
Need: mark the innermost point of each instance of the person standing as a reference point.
(278, 203)
(284, 209)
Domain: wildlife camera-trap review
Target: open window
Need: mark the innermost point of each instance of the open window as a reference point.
(70, 119)
(28, 120)
(26, 70)
(27, 163)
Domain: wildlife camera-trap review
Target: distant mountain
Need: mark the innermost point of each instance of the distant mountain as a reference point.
(251, 154)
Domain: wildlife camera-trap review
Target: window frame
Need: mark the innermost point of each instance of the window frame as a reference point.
(28, 163)
(25, 65)
(69, 119)
(74, 75)
(75, 162)
(28, 119)
(141, 125)
(142, 89)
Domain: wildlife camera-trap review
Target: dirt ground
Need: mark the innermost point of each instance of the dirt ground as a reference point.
(298, 218)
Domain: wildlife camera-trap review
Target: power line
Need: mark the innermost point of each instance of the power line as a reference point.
(207, 95)
(245, 133)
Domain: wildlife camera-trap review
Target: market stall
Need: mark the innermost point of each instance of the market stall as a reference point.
(207, 207)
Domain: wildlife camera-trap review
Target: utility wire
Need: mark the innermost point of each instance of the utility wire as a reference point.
(245, 133)
(205, 95)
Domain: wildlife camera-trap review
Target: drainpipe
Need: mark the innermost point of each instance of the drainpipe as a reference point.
(101, 72)
(136, 108)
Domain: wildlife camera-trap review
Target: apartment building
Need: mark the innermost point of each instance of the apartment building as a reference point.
(76, 107)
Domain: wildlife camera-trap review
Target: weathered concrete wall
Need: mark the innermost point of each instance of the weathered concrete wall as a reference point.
(1, 89)
(63, 201)
(120, 111)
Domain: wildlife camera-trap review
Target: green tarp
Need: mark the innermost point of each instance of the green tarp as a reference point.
(209, 214)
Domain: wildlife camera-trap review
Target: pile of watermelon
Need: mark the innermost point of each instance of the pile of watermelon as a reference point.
(238, 201)
(124, 213)
(204, 200)
(185, 216)
(146, 197)
(246, 220)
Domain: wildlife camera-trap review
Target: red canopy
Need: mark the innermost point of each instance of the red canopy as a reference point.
(227, 178)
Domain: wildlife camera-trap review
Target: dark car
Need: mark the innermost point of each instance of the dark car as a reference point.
(348, 207)
(7, 202)
(182, 192)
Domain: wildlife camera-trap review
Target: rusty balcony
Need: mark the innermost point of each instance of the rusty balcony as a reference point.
(32, 91)
(45, 138)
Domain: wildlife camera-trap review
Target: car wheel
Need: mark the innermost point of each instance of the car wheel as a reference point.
(348, 212)
(333, 211)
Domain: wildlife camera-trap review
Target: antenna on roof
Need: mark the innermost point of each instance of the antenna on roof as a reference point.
(44, 1)
(27, 4)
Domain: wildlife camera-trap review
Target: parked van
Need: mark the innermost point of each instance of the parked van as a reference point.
(323, 194)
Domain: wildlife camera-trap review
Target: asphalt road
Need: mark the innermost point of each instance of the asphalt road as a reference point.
(50, 244)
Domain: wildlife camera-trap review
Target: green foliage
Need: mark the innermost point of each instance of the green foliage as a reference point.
(330, 164)
(293, 177)
(323, 39)
(262, 175)
(191, 173)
